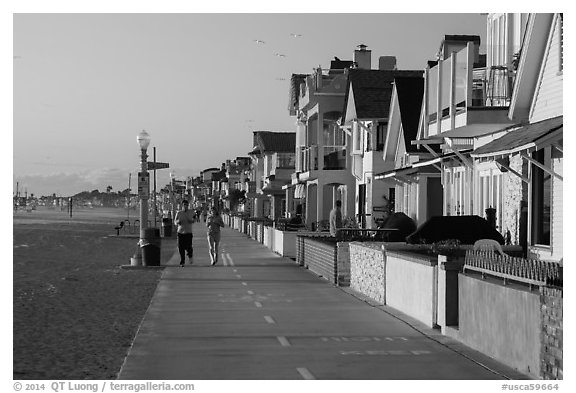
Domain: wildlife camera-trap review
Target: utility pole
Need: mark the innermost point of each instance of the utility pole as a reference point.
(155, 206)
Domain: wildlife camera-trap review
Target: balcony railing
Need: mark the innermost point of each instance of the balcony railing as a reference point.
(309, 158)
(334, 157)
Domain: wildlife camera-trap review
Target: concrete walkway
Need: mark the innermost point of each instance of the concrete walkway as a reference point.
(258, 316)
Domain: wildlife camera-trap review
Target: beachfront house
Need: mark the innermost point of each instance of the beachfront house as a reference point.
(235, 179)
(417, 189)
(273, 162)
(366, 118)
(321, 175)
(464, 99)
(529, 157)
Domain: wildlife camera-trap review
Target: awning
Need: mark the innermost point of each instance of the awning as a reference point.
(412, 169)
(532, 136)
(300, 191)
(471, 131)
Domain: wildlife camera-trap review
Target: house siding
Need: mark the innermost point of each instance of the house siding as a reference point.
(557, 209)
(548, 102)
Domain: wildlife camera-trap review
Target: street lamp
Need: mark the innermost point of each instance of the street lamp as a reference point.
(143, 183)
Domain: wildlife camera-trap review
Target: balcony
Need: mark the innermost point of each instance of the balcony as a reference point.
(323, 81)
(334, 157)
(460, 96)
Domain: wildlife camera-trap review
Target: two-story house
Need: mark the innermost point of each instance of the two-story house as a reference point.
(417, 190)
(235, 180)
(465, 100)
(322, 159)
(365, 119)
(273, 162)
(529, 157)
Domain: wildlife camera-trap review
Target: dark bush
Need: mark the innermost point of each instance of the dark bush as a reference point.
(403, 223)
(465, 229)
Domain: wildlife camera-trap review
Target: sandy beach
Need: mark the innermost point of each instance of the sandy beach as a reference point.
(75, 309)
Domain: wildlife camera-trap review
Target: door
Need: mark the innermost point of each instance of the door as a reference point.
(362, 205)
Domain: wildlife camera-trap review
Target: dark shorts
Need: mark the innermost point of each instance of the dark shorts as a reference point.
(185, 242)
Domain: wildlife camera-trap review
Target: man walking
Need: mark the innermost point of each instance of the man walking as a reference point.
(184, 219)
(335, 218)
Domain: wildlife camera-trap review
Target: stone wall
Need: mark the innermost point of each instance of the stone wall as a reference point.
(514, 191)
(367, 270)
(343, 264)
(551, 302)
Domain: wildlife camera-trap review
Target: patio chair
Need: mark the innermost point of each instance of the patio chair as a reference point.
(488, 245)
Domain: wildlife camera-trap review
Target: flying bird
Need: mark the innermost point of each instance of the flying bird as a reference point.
(280, 79)
(259, 42)
(294, 35)
(279, 55)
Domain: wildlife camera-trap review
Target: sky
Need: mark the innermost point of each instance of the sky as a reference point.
(85, 84)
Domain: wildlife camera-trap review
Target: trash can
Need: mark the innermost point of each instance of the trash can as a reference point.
(150, 244)
(167, 227)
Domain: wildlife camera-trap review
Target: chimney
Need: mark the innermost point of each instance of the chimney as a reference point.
(387, 63)
(363, 57)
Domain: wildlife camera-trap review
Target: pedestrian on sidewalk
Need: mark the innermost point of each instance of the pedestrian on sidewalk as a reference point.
(184, 219)
(214, 222)
(335, 218)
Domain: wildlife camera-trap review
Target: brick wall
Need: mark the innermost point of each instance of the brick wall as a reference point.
(367, 270)
(551, 300)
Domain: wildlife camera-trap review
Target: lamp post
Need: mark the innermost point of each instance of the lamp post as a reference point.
(172, 197)
(143, 183)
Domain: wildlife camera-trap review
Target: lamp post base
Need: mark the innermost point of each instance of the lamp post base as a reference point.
(136, 259)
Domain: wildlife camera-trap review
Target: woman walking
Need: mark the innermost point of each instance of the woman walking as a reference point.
(214, 222)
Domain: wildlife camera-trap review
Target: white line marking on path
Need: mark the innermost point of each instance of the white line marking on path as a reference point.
(244, 284)
(239, 276)
(258, 304)
(283, 341)
(269, 319)
(250, 292)
(230, 261)
(305, 373)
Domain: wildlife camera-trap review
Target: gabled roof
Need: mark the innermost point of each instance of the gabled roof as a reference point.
(274, 142)
(410, 91)
(530, 63)
(535, 135)
(372, 91)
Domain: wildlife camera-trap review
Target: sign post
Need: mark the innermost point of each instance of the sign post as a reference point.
(153, 166)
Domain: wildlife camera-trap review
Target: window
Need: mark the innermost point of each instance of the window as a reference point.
(391, 200)
(356, 138)
(541, 198)
(490, 193)
(334, 146)
(381, 136)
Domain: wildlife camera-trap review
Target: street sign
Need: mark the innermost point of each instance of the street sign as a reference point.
(143, 184)
(157, 165)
